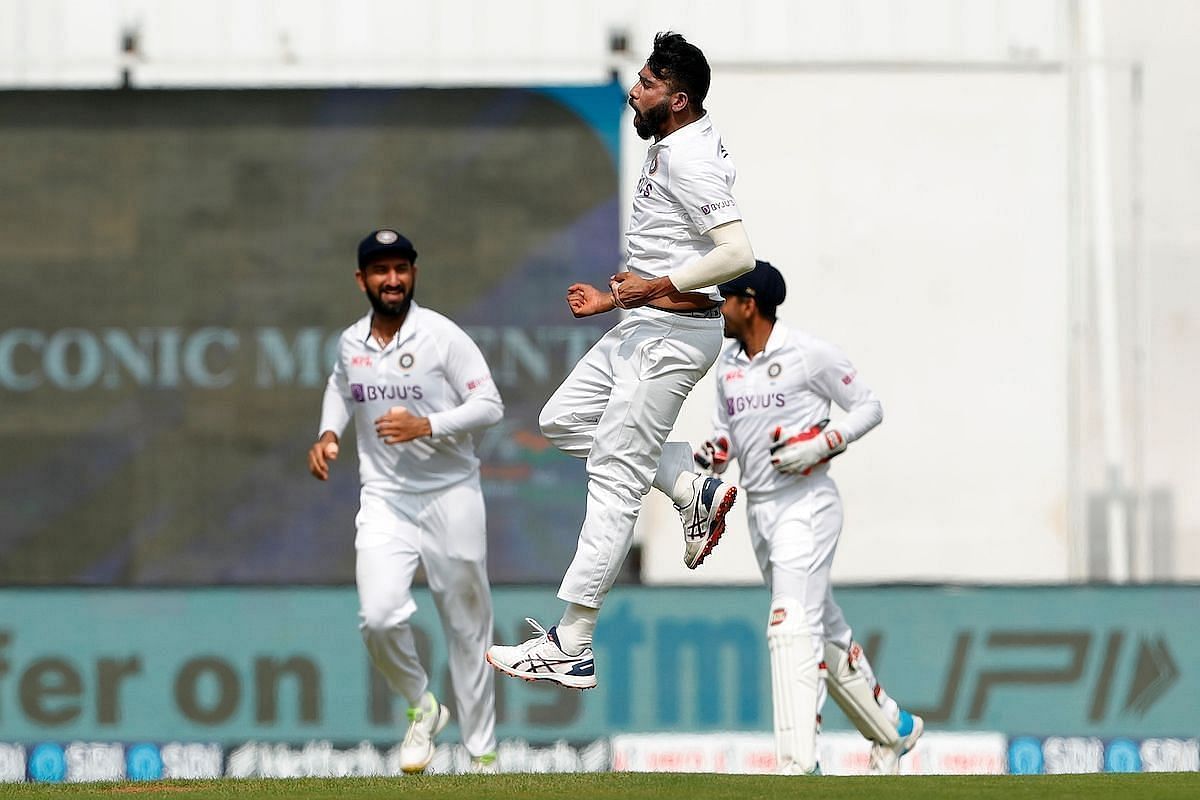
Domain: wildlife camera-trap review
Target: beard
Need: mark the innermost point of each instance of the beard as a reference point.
(392, 310)
(649, 123)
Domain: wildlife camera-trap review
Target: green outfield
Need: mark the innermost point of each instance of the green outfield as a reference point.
(625, 785)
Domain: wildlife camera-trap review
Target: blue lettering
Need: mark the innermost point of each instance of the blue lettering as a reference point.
(10, 377)
(621, 635)
(710, 642)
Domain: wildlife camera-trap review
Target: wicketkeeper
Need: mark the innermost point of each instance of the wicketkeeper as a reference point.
(775, 386)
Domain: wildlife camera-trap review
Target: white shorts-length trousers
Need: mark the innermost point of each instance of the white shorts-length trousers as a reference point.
(616, 409)
(444, 531)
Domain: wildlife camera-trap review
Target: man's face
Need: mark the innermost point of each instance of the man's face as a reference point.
(650, 98)
(736, 312)
(389, 282)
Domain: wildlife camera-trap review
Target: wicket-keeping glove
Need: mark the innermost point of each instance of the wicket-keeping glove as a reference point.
(797, 454)
(713, 455)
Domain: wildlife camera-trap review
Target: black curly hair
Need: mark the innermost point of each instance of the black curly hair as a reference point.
(682, 65)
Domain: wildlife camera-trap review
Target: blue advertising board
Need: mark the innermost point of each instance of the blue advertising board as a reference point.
(231, 665)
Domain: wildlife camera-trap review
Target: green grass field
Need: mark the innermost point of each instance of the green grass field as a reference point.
(628, 785)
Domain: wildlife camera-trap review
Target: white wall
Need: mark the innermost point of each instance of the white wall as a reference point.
(921, 222)
(235, 42)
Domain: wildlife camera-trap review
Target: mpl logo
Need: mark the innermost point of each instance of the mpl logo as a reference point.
(361, 361)
(735, 374)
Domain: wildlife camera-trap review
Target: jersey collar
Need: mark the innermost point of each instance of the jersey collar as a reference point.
(407, 329)
(777, 339)
(694, 129)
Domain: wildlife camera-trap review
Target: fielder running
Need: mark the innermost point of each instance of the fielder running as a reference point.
(774, 390)
(621, 400)
(416, 387)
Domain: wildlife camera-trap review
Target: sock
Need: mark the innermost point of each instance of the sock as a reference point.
(576, 627)
(674, 476)
(685, 490)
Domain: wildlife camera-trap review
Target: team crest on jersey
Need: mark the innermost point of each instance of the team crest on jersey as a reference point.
(774, 370)
(406, 360)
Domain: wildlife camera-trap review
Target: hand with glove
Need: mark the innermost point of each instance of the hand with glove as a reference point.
(713, 455)
(797, 454)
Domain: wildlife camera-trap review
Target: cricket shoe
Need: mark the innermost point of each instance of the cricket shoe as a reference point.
(425, 721)
(792, 768)
(485, 764)
(704, 517)
(886, 760)
(542, 659)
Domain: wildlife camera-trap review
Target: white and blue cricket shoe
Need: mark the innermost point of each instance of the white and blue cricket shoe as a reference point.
(542, 659)
(704, 517)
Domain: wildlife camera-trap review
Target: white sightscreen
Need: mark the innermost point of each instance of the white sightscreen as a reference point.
(921, 221)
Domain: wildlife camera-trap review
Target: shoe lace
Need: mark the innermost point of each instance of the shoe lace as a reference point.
(541, 633)
(693, 515)
(414, 734)
(876, 760)
(883, 757)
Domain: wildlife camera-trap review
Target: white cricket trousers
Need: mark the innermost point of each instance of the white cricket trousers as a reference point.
(795, 532)
(444, 531)
(616, 409)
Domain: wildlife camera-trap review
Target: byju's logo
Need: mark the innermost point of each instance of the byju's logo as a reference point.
(364, 392)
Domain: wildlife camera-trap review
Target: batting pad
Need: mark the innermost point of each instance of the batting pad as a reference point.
(854, 694)
(794, 679)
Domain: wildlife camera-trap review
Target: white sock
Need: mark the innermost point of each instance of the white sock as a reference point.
(685, 489)
(576, 627)
(674, 476)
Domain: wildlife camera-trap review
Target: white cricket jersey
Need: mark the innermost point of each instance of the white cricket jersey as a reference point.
(791, 383)
(685, 190)
(432, 368)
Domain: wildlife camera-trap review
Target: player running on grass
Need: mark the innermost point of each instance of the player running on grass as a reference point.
(775, 385)
(416, 387)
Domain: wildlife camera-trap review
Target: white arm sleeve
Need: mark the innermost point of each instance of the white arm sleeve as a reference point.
(335, 405)
(721, 418)
(471, 381)
(731, 256)
(839, 381)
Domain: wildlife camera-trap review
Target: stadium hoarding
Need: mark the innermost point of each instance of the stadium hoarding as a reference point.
(177, 265)
(235, 665)
(841, 753)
